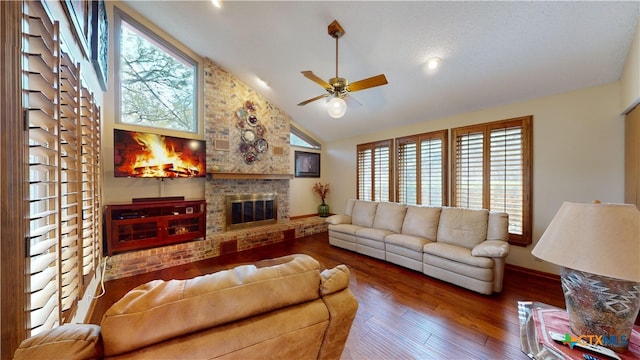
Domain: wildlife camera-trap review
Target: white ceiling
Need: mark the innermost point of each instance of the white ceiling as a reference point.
(492, 52)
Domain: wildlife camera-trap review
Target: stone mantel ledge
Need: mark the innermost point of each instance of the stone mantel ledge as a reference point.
(245, 176)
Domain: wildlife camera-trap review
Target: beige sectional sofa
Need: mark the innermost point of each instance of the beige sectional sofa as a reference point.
(462, 246)
(284, 308)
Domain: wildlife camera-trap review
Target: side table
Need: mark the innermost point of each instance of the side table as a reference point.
(537, 319)
(529, 343)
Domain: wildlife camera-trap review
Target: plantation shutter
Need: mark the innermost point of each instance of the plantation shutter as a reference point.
(365, 171)
(407, 170)
(492, 170)
(64, 238)
(41, 82)
(374, 171)
(70, 149)
(469, 166)
(506, 158)
(421, 170)
(90, 183)
(382, 174)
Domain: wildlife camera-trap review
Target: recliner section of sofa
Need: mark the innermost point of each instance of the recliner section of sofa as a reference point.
(466, 247)
(275, 309)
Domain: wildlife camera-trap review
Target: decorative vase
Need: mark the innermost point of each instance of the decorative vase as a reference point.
(323, 210)
(601, 307)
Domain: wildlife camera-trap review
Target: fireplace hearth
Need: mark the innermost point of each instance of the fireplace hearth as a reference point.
(246, 210)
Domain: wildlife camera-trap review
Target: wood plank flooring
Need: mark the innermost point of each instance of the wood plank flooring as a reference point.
(402, 314)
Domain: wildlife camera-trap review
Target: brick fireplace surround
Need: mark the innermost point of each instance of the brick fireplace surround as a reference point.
(224, 95)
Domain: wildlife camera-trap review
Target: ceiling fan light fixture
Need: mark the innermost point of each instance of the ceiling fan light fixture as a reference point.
(336, 107)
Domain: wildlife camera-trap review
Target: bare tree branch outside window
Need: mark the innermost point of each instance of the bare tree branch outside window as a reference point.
(157, 88)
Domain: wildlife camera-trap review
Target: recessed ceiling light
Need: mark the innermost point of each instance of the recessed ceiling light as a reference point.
(433, 63)
(217, 3)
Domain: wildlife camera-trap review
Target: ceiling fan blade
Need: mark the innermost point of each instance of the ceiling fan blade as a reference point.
(368, 83)
(313, 99)
(311, 76)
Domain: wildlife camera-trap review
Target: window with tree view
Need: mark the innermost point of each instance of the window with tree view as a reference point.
(157, 83)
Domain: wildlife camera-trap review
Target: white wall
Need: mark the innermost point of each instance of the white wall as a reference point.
(122, 190)
(630, 79)
(303, 200)
(578, 154)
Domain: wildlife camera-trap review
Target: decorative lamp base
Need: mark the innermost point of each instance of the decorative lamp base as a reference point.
(600, 306)
(323, 210)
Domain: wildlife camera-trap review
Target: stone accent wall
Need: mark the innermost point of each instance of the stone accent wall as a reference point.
(224, 95)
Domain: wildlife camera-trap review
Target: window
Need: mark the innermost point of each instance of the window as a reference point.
(374, 171)
(300, 139)
(421, 171)
(157, 84)
(492, 170)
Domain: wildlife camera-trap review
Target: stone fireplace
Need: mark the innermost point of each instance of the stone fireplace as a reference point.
(229, 171)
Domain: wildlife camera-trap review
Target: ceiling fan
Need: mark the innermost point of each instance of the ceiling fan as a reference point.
(338, 88)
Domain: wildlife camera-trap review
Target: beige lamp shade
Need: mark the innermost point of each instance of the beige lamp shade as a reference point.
(602, 239)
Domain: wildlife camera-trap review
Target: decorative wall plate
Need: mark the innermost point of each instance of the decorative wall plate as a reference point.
(249, 157)
(241, 113)
(252, 120)
(261, 145)
(248, 136)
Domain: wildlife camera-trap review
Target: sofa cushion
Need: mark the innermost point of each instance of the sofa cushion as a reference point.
(373, 234)
(348, 208)
(344, 228)
(498, 226)
(363, 213)
(458, 254)
(160, 310)
(389, 216)
(68, 341)
(462, 227)
(421, 221)
(414, 243)
(458, 273)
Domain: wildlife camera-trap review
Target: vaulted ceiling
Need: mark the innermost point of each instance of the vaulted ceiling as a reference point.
(493, 53)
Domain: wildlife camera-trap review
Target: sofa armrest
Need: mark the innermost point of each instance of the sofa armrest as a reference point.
(338, 219)
(491, 248)
(334, 280)
(69, 341)
(342, 306)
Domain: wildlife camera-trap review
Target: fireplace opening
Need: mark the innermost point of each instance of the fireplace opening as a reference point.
(245, 210)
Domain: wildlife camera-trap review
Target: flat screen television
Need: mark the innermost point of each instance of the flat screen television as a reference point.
(147, 155)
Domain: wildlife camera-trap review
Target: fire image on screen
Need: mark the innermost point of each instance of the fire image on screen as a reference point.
(142, 154)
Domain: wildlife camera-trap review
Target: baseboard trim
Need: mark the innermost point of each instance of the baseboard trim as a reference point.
(305, 216)
(537, 273)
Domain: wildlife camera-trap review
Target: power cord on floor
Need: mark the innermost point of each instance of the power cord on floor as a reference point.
(104, 269)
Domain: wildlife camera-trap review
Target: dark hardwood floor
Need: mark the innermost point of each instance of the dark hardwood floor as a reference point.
(402, 314)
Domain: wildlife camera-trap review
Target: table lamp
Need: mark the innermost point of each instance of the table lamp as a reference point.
(598, 248)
